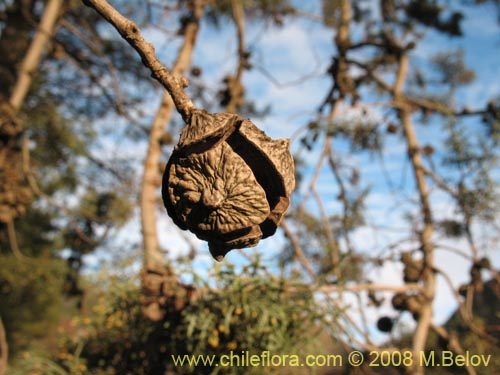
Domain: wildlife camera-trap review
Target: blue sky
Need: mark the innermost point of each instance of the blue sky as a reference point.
(302, 48)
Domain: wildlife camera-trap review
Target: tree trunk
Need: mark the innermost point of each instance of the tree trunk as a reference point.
(154, 263)
(13, 177)
(34, 53)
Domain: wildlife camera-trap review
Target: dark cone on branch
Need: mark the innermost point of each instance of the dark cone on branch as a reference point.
(227, 181)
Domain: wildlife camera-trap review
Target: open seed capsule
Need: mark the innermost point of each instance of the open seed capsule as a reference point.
(227, 181)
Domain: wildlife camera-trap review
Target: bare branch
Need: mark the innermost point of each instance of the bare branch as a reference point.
(298, 250)
(131, 33)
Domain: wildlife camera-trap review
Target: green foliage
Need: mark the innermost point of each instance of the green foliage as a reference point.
(31, 295)
(270, 10)
(363, 134)
(451, 228)
(429, 13)
(330, 11)
(37, 233)
(474, 159)
(251, 311)
(231, 312)
(98, 210)
(452, 68)
(55, 144)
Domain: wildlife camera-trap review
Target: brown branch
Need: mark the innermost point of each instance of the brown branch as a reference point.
(410, 102)
(239, 20)
(298, 250)
(332, 244)
(235, 92)
(343, 194)
(315, 72)
(465, 312)
(28, 172)
(34, 54)
(132, 34)
(455, 194)
(425, 317)
(350, 323)
(440, 182)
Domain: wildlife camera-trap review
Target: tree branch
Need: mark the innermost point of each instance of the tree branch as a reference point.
(298, 251)
(34, 53)
(131, 33)
(92, 45)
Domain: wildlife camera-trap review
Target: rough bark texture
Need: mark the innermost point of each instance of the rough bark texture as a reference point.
(15, 192)
(35, 52)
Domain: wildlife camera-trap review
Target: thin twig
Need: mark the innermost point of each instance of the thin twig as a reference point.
(132, 34)
(109, 65)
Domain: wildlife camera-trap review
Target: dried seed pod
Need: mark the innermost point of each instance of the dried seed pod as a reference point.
(227, 181)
